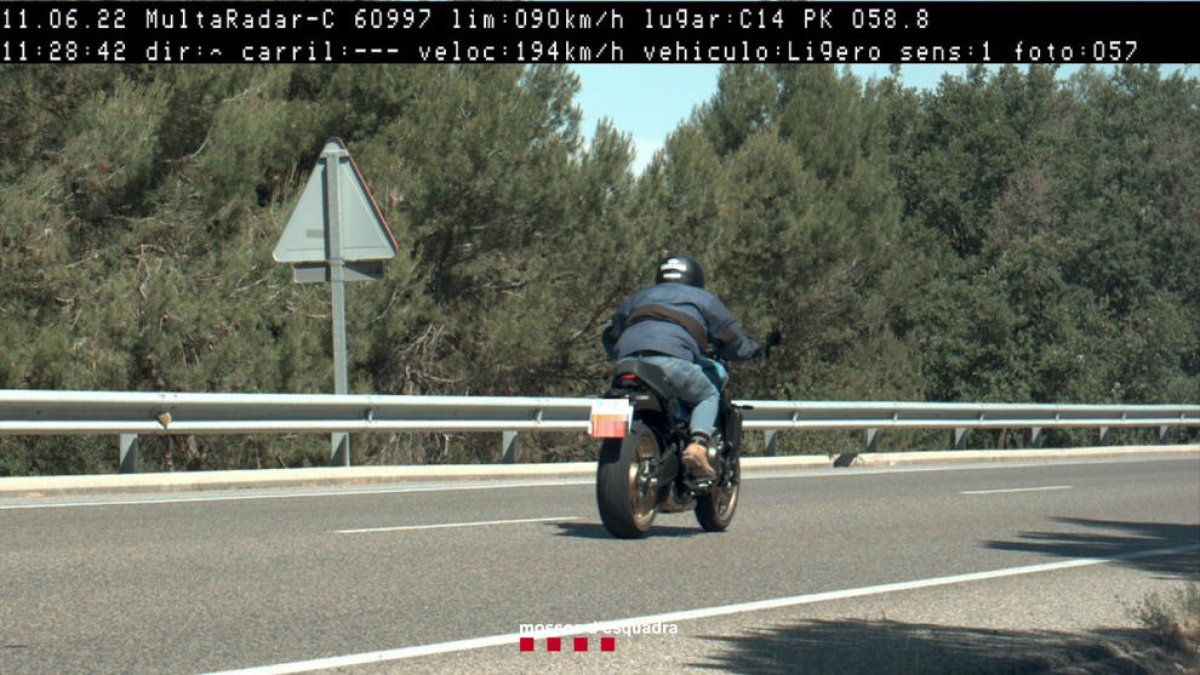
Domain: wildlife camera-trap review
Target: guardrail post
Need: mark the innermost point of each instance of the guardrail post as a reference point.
(770, 443)
(340, 456)
(1036, 438)
(129, 448)
(960, 438)
(872, 440)
(509, 447)
(1164, 435)
(1104, 435)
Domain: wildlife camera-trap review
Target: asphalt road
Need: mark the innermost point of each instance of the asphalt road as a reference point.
(826, 568)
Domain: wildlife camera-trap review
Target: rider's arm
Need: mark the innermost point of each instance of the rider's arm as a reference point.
(609, 338)
(734, 344)
(612, 331)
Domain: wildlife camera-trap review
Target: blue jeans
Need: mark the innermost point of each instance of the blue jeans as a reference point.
(689, 384)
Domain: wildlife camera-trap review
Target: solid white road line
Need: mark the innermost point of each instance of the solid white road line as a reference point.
(702, 613)
(1008, 490)
(402, 528)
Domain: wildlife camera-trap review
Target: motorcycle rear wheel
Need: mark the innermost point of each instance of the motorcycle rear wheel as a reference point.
(626, 498)
(714, 509)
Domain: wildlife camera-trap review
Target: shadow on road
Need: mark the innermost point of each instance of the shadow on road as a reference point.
(1112, 539)
(885, 646)
(854, 646)
(597, 531)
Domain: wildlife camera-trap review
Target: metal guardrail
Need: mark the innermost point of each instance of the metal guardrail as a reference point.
(129, 414)
(70, 412)
(963, 417)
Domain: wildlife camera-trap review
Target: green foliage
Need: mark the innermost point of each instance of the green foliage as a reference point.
(1058, 276)
(1007, 236)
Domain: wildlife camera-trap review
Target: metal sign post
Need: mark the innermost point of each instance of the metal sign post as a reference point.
(340, 440)
(335, 224)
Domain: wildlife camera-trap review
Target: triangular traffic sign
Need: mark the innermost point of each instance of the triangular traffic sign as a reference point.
(364, 232)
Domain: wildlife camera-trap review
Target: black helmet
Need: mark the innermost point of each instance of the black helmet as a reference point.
(680, 269)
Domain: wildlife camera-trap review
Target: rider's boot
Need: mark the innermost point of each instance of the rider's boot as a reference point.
(695, 457)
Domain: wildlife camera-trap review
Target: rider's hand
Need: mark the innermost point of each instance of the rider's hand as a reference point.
(773, 340)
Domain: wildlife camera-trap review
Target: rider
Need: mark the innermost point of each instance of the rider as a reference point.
(670, 325)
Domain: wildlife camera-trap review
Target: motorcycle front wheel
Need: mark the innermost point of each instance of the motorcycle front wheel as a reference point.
(625, 494)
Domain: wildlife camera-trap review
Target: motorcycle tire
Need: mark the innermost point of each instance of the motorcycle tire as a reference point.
(715, 508)
(627, 505)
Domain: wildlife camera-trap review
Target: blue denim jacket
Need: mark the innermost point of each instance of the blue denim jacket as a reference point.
(676, 320)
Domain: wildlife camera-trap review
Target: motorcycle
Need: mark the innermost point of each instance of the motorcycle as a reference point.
(643, 431)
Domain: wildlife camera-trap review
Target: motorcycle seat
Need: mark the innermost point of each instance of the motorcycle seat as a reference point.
(649, 374)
